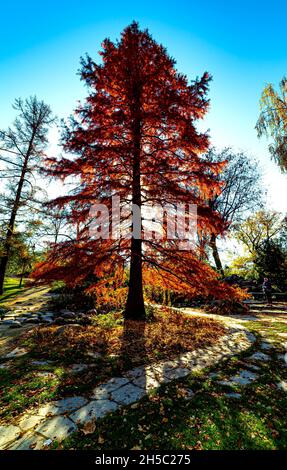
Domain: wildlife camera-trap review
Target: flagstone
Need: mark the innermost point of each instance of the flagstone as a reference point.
(56, 428)
(244, 377)
(17, 352)
(93, 410)
(70, 404)
(266, 346)
(233, 395)
(147, 382)
(29, 421)
(29, 441)
(8, 434)
(136, 372)
(259, 356)
(127, 394)
(112, 384)
(176, 373)
(100, 393)
(63, 406)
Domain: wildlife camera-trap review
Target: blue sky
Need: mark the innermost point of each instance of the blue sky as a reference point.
(242, 44)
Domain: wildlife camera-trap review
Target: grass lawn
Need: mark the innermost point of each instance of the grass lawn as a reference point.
(11, 289)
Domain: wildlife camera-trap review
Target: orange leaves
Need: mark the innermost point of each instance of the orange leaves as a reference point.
(139, 108)
(182, 272)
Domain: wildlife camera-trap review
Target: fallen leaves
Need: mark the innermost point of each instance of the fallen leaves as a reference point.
(89, 427)
(168, 335)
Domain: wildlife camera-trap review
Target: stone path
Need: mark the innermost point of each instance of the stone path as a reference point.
(39, 427)
(28, 316)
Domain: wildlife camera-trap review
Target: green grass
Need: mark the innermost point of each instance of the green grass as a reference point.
(11, 289)
(22, 387)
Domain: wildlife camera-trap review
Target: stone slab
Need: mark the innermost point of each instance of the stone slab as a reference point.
(64, 406)
(29, 441)
(28, 421)
(94, 410)
(8, 434)
(259, 356)
(57, 428)
(17, 352)
(128, 394)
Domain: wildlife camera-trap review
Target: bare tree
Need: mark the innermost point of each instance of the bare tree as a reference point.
(239, 195)
(23, 146)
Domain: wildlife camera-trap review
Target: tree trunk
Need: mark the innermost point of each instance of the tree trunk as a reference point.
(7, 245)
(22, 275)
(135, 308)
(215, 254)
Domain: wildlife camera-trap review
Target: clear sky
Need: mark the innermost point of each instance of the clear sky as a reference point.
(241, 43)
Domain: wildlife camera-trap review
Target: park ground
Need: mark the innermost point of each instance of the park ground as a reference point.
(237, 402)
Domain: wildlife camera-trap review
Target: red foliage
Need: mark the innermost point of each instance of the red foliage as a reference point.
(135, 137)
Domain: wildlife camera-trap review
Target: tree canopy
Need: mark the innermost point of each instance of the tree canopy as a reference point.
(135, 137)
(272, 121)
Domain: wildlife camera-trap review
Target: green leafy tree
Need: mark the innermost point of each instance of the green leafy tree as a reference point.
(271, 261)
(263, 235)
(272, 121)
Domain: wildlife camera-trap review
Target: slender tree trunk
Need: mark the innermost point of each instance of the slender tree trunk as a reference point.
(8, 241)
(215, 254)
(135, 308)
(22, 274)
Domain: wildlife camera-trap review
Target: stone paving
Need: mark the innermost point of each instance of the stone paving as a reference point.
(39, 427)
(27, 316)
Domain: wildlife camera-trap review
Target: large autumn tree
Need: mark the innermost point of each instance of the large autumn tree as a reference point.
(135, 137)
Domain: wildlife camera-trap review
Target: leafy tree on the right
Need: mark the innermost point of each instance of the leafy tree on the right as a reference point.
(272, 121)
(264, 237)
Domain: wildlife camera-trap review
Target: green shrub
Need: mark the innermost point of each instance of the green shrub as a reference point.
(150, 311)
(108, 320)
